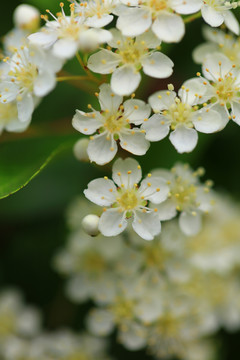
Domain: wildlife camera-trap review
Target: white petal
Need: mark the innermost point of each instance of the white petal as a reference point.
(212, 64)
(134, 141)
(223, 111)
(211, 16)
(99, 192)
(102, 149)
(157, 65)
(184, 139)
(154, 189)
(134, 337)
(231, 22)
(25, 108)
(187, 6)
(162, 100)
(103, 62)
(86, 124)
(123, 167)
(169, 27)
(166, 210)
(112, 222)
(125, 80)
(65, 48)
(146, 225)
(8, 92)
(100, 322)
(136, 111)
(134, 21)
(207, 121)
(98, 22)
(44, 83)
(150, 39)
(90, 39)
(107, 99)
(236, 112)
(157, 128)
(117, 38)
(190, 224)
(202, 51)
(45, 39)
(17, 126)
(195, 88)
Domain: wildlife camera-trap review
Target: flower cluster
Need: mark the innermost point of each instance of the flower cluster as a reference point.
(169, 295)
(21, 336)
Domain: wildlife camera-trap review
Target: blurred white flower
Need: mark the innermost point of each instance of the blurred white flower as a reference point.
(218, 41)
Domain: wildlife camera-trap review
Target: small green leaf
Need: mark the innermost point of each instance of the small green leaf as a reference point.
(22, 160)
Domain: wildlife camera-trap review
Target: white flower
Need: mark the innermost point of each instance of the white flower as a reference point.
(160, 15)
(127, 200)
(16, 319)
(26, 17)
(217, 12)
(30, 76)
(113, 123)
(222, 85)
(97, 13)
(218, 41)
(187, 196)
(64, 345)
(90, 264)
(182, 115)
(68, 34)
(126, 62)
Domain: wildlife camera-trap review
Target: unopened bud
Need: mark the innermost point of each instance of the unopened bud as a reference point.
(90, 224)
(26, 17)
(80, 150)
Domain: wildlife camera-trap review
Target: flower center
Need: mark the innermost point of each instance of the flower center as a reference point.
(131, 52)
(25, 75)
(154, 256)
(128, 200)
(184, 194)
(98, 7)
(123, 310)
(226, 89)
(179, 113)
(157, 5)
(7, 324)
(115, 122)
(93, 262)
(68, 29)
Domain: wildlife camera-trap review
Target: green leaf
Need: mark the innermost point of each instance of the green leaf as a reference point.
(22, 160)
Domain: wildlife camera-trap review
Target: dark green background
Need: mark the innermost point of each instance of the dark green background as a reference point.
(32, 221)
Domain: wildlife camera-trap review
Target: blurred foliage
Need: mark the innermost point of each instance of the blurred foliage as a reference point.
(32, 220)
